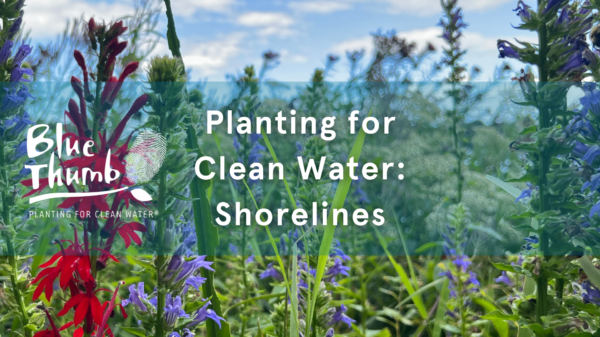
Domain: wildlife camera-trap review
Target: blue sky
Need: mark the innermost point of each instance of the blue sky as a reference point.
(220, 37)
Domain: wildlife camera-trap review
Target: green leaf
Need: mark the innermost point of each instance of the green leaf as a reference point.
(134, 331)
(440, 313)
(208, 236)
(500, 326)
(486, 230)
(338, 202)
(294, 298)
(590, 270)
(539, 330)
(498, 315)
(515, 192)
(403, 277)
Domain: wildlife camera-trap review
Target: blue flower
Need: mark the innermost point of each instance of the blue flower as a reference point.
(472, 280)
(462, 262)
(190, 267)
(523, 11)
(271, 272)
(194, 281)
(21, 54)
(174, 310)
(337, 251)
(507, 49)
(526, 193)
(17, 124)
(18, 73)
(6, 51)
(563, 18)
(580, 149)
(186, 333)
(340, 316)
(329, 333)
(593, 184)
(592, 153)
(576, 61)
(551, 5)
(203, 314)
(14, 28)
(25, 171)
(20, 150)
(335, 270)
(595, 209)
(448, 274)
(591, 295)
(136, 296)
(504, 279)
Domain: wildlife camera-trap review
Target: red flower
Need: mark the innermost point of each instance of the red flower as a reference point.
(83, 303)
(127, 232)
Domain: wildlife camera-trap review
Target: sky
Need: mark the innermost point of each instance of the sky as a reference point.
(220, 37)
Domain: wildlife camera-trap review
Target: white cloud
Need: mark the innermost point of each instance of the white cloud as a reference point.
(321, 7)
(429, 7)
(188, 8)
(365, 42)
(268, 23)
(212, 57)
(287, 57)
(48, 18)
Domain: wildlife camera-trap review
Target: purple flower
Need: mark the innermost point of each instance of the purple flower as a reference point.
(186, 333)
(17, 74)
(449, 275)
(190, 267)
(136, 296)
(591, 295)
(580, 149)
(271, 272)
(593, 184)
(21, 54)
(507, 49)
(194, 281)
(462, 262)
(20, 150)
(523, 11)
(14, 28)
(504, 279)
(6, 51)
(25, 171)
(17, 125)
(174, 310)
(563, 18)
(591, 154)
(335, 270)
(595, 209)
(526, 193)
(203, 314)
(575, 62)
(340, 316)
(472, 280)
(329, 333)
(552, 4)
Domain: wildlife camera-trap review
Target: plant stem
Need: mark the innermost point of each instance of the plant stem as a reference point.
(544, 166)
(12, 256)
(160, 259)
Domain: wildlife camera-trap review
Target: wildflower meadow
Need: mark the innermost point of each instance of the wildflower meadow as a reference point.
(422, 196)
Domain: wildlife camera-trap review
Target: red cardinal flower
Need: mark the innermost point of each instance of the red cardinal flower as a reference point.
(83, 303)
(127, 232)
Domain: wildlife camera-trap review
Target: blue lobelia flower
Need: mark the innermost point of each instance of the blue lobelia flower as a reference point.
(472, 280)
(340, 316)
(25, 171)
(186, 333)
(591, 154)
(507, 49)
(20, 150)
(580, 149)
(504, 279)
(595, 209)
(563, 18)
(136, 296)
(526, 193)
(329, 333)
(17, 124)
(337, 251)
(523, 11)
(551, 5)
(591, 295)
(193, 281)
(6, 51)
(203, 314)
(593, 184)
(174, 310)
(21, 54)
(448, 274)
(14, 28)
(271, 272)
(335, 270)
(189, 268)
(462, 262)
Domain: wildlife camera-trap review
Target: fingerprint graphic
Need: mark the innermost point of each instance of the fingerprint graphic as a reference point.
(144, 159)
